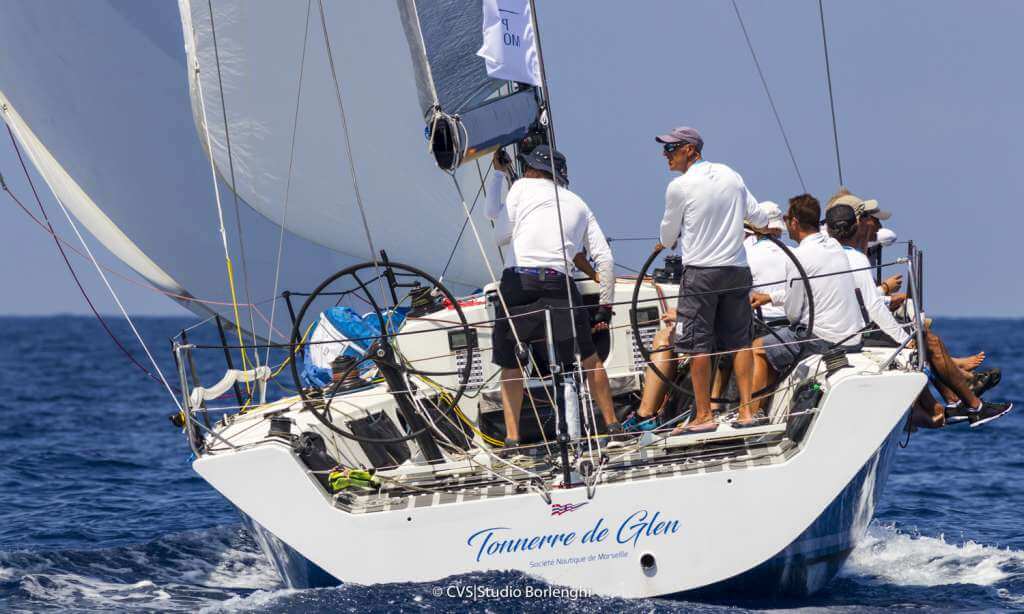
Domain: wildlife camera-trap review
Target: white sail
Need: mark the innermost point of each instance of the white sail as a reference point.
(78, 202)
(98, 95)
(253, 72)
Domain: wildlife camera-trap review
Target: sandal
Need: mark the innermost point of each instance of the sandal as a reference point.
(986, 380)
(757, 420)
(703, 427)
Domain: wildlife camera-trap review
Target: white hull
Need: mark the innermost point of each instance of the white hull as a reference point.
(794, 515)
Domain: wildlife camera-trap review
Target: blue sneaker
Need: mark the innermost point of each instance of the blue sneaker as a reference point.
(636, 424)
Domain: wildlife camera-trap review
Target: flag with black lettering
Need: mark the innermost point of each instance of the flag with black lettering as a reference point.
(509, 47)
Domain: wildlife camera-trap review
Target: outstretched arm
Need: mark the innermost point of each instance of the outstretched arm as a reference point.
(495, 209)
(493, 203)
(756, 213)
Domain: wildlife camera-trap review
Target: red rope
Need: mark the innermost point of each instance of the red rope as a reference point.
(64, 255)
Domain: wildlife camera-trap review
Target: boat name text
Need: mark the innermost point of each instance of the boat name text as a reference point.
(638, 526)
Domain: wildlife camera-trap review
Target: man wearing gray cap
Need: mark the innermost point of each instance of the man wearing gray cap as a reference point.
(705, 208)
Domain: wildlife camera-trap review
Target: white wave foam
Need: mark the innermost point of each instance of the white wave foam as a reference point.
(891, 556)
(201, 567)
(225, 566)
(254, 601)
(74, 591)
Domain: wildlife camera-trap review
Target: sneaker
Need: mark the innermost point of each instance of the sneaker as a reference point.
(617, 437)
(987, 413)
(635, 423)
(956, 412)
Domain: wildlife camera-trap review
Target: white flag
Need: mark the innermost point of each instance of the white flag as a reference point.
(509, 48)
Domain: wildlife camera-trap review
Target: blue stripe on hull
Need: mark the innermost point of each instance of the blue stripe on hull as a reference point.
(296, 570)
(816, 556)
(801, 568)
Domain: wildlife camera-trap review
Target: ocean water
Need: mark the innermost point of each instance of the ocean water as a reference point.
(100, 510)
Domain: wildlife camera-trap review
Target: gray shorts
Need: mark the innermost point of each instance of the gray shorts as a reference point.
(797, 345)
(714, 310)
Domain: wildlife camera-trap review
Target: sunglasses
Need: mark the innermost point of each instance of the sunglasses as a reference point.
(671, 147)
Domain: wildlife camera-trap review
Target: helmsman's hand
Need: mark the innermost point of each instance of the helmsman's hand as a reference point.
(892, 284)
(498, 161)
(897, 300)
(759, 298)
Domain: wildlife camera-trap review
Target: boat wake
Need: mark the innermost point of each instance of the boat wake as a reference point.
(908, 568)
(893, 557)
(222, 570)
(186, 571)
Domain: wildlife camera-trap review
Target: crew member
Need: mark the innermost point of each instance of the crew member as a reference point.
(767, 261)
(529, 221)
(837, 319)
(707, 205)
(851, 230)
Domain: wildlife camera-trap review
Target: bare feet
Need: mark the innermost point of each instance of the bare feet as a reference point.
(707, 426)
(970, 363)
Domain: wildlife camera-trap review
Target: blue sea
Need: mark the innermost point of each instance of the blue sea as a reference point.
(100, 509)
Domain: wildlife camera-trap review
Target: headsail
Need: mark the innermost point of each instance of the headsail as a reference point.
(97, 96)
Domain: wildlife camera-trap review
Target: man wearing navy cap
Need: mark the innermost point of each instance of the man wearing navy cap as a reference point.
(705, 208)
(545, 233)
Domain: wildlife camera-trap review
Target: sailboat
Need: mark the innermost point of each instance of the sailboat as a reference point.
(346, 146)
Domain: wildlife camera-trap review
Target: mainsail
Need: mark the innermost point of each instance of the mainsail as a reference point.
(395, 66)
(98, 96)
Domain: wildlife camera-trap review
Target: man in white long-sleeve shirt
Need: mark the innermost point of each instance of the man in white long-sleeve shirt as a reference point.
(767, 261)
(841, 221)
(851, 228)
(837, 318)
(529, 222)
(705, 208)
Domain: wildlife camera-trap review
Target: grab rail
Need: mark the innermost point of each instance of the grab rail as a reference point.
(260, 374)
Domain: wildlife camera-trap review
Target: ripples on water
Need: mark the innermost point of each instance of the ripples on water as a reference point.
(99, 509)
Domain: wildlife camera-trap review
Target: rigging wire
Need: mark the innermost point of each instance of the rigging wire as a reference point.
(483, 190)
(767, 92)
(550, 129)
(234, 190)
(348, 141)
(127, 278)
(458, 239)
(501, 297)
(220, 208)
(288, 181)
(614, 239)
(351, 157)
(831, 99)
(117, 300)
(67, 261)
